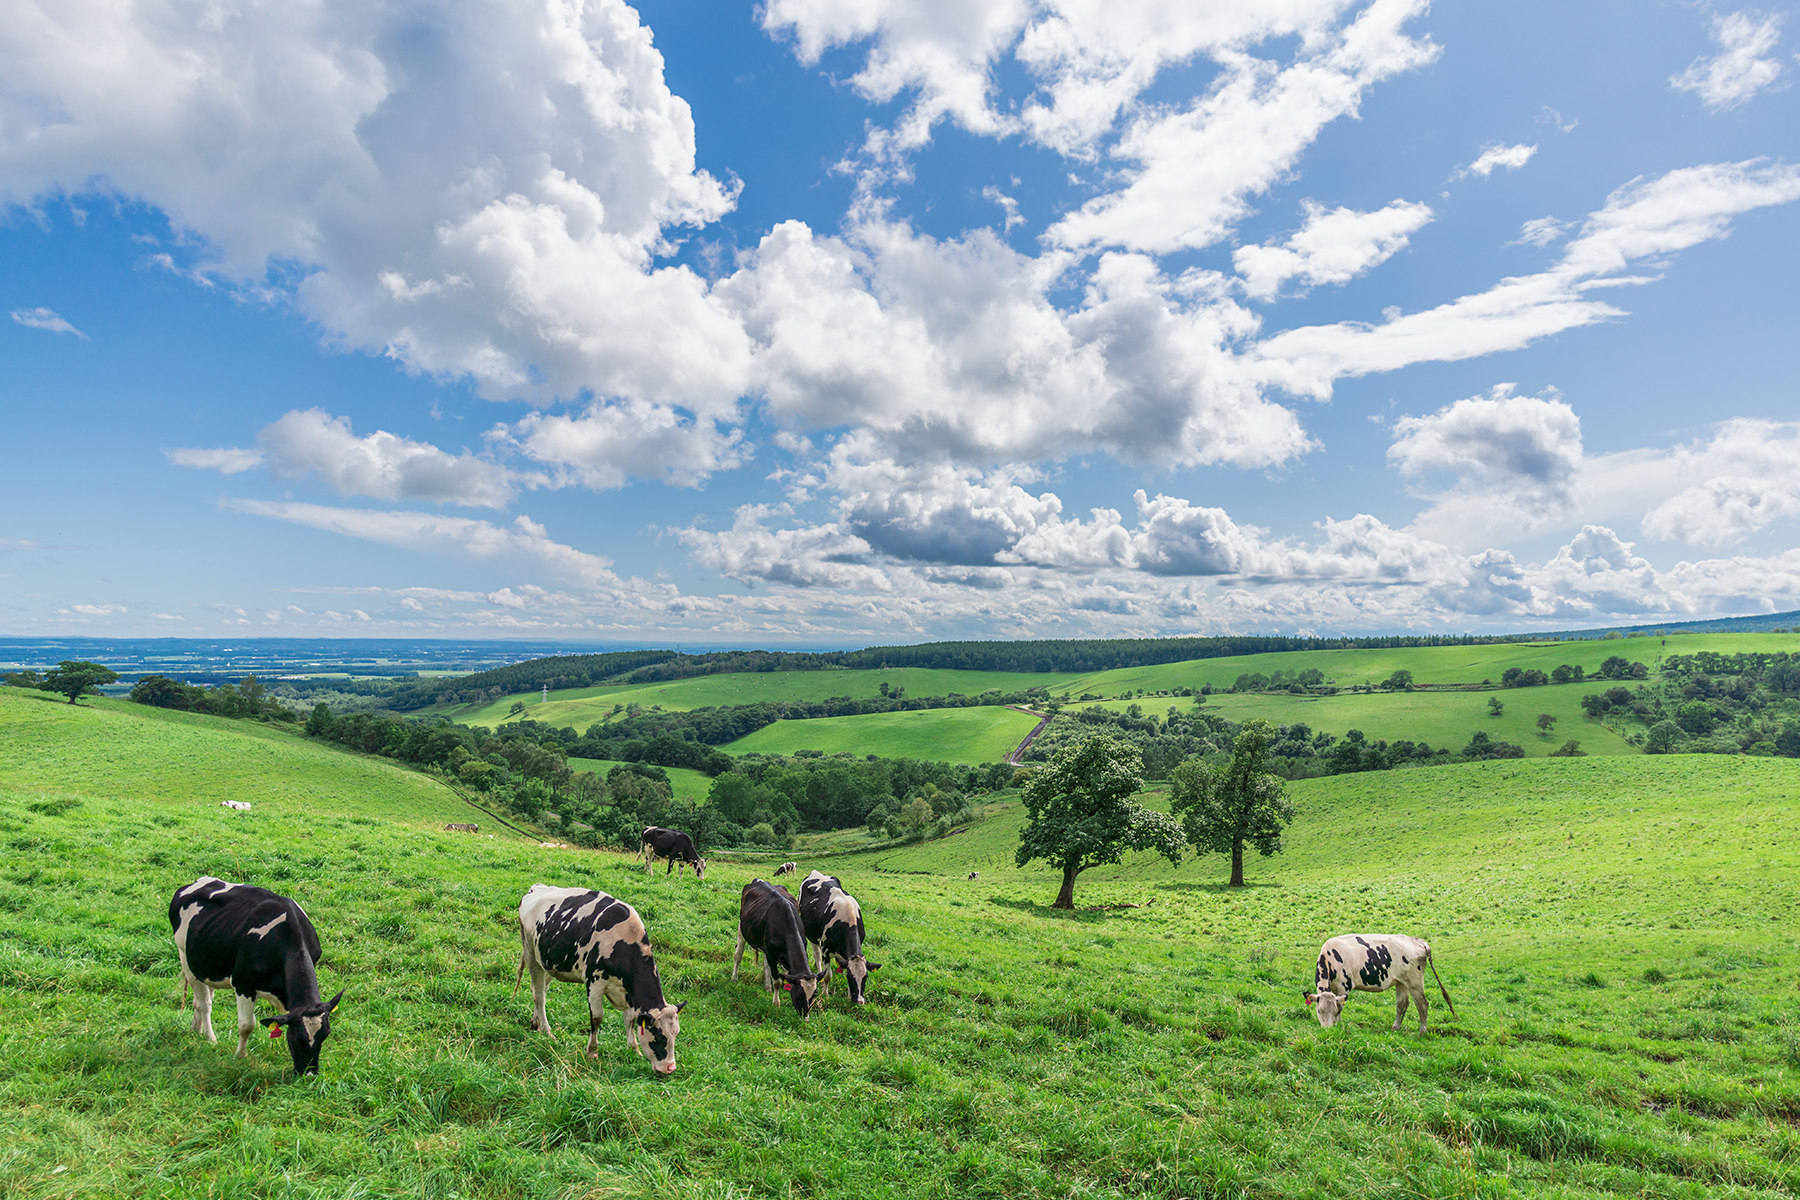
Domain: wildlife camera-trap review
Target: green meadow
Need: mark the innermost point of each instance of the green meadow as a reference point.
(1617, 933)
(582, 707)
(956, 735)
(684, 784)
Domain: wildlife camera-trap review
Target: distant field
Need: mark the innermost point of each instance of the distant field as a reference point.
(686, 784)
(1616, 932)
(1433, 664)
(956, 735)
(119, 750)
(581, 707)
(1440, 718)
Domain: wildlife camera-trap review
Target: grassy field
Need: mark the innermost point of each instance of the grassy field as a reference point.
(685, 784)
(1617, 933)
(581, 707)
(1444, 719)
(956, 735)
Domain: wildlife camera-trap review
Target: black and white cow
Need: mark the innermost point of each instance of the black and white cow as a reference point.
(833, 924)
(257, 943)
(1372, 962)
(587, 937)
(673, 845)
(787, 868)
(769, 923)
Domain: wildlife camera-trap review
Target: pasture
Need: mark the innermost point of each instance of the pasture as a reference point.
(954, 735)
(1617, 934)
(692, 786)
(581, 707)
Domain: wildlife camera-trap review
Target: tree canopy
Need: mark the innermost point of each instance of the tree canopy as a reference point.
(1080, 813)
(72, 679)
(1224, 806)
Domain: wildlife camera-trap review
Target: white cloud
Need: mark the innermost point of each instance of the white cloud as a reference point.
(479, 190)
(166, 617)
(1745, 66)
(1539, 231)
(45, 319)
(1197, 167)
(523, 541)
(7, 544)
(1494, 157)
(227, 460)
(100, 610)
(1333, 246)
(383, 465)
(817, 556)
(609, 443)
(1749, 478)
(1642, 220)
(1519, 452)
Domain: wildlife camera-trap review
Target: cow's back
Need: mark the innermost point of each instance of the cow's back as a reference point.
(1369, 962)
(574, 931)
(211, 918)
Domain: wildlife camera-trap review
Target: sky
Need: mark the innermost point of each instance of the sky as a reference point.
(847, 322)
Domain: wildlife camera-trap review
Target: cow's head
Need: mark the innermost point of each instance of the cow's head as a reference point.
(1327, 1005)
(857, 971)
(307, 1027)
(657, 1029)
(802, 987)
(699, 868)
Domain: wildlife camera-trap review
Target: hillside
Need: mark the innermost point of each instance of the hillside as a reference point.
(1612, 930)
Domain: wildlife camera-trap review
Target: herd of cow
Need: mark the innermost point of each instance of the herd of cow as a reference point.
(262, 945)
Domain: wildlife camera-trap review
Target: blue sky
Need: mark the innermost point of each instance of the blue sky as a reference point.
(847, 321)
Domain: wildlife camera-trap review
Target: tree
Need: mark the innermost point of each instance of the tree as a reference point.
(1495, 706)
(1663, 737)
(1545, 723)
(1080, 813)
(72, 679)
(1570, 749)
(1399, 681)
(1222, 807)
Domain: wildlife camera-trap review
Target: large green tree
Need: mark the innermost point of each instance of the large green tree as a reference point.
(72, 679)
(1224, 807)
(1081, 814)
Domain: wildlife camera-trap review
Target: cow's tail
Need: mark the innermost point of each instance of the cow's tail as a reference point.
(1440, 982)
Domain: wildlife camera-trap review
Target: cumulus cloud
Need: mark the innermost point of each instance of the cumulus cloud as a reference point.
(523, 541)
(45, 319)
(1197, 167)
(608, 443)
(1524, 451)
(382, 465)
(816, 556)
(1745, 65)
(1749, 479)
(1494, 157)
(1333, 246)
(478, 191)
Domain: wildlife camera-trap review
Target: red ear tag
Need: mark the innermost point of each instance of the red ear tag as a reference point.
(274, 1031)
(787, 987)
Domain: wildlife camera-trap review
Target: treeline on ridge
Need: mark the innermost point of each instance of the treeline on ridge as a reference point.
(1071, 656)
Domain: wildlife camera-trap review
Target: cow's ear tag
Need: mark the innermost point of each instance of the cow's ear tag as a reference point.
(274, 1031)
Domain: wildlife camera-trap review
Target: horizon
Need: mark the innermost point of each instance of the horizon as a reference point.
(784, 327)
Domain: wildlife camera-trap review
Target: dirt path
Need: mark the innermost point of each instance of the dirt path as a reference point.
(1018, 756)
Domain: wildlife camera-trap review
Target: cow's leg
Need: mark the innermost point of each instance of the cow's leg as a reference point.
(1401, 996)
(769, 983)
(649, 857)
(671, 867)
(540, 993)
(246, 1023)
(203, 1010)
(1424, 1006)
(739, 956)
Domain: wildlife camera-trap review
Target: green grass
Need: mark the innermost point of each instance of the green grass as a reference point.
(1444, 719)
(581, 707)
(956, 735)
(1617, 934)
(688, 785)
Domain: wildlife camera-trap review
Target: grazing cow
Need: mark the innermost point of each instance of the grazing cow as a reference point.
(1373, 962)
(673, 845)
(769, 923)
(457, 827)
(239, 805)
(787, 868)
(257, 943)
(834, 928)
(974, 874)
(587, 937)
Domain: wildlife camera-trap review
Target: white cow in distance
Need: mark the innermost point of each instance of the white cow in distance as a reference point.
(1373, 962)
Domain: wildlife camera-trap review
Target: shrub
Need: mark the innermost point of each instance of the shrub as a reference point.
(1663, 737)
(1569, 749)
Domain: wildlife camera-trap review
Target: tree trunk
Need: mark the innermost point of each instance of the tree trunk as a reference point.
(1066, 897)
(1237, 863)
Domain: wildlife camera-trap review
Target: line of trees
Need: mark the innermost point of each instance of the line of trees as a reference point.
(246, 699)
